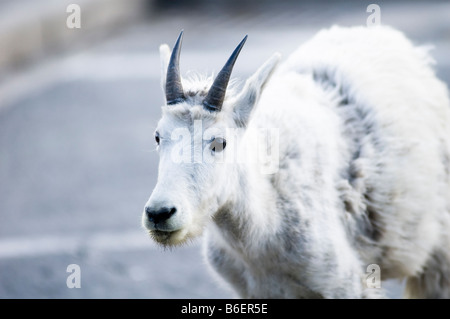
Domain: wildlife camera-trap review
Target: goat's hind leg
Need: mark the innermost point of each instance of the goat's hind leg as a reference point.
(434, 281)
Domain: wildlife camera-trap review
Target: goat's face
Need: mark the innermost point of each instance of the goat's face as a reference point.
(197, 129)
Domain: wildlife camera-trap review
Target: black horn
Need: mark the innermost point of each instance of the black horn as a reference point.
(216, 94)
(174, 89)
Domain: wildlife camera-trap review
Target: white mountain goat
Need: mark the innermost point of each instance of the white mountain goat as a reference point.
(359, 127)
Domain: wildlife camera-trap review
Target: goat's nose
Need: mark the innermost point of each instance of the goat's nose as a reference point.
(159, 215)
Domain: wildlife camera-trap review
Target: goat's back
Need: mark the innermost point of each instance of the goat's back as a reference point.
(398, 115)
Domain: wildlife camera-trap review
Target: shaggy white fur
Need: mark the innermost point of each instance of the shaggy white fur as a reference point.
(363, 173)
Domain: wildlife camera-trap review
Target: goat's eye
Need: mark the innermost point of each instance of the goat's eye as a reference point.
(157, 137)
(218, 144)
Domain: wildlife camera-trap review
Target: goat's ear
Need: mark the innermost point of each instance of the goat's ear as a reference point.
(252, 90)
(164, 54)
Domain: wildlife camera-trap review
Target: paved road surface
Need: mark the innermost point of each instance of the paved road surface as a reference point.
(77, 159)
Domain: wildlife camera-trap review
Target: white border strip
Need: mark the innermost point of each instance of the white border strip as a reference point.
(54, 245)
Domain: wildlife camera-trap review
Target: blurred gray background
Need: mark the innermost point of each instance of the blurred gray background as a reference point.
(78, 108)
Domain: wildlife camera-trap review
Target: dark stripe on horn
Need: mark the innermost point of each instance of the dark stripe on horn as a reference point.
(174, 89)
(216, 94)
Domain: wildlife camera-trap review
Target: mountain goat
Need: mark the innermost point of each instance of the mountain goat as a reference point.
(358, 126)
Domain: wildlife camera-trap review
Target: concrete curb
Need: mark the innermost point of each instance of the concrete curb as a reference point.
(31, 29)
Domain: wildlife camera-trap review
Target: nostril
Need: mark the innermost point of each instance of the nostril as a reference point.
(159, 215)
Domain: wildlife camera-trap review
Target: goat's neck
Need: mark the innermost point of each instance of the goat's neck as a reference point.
(249, 208)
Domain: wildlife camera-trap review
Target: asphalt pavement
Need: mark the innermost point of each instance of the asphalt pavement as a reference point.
(78, 161)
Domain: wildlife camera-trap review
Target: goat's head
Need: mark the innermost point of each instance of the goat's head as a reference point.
(193, 142)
